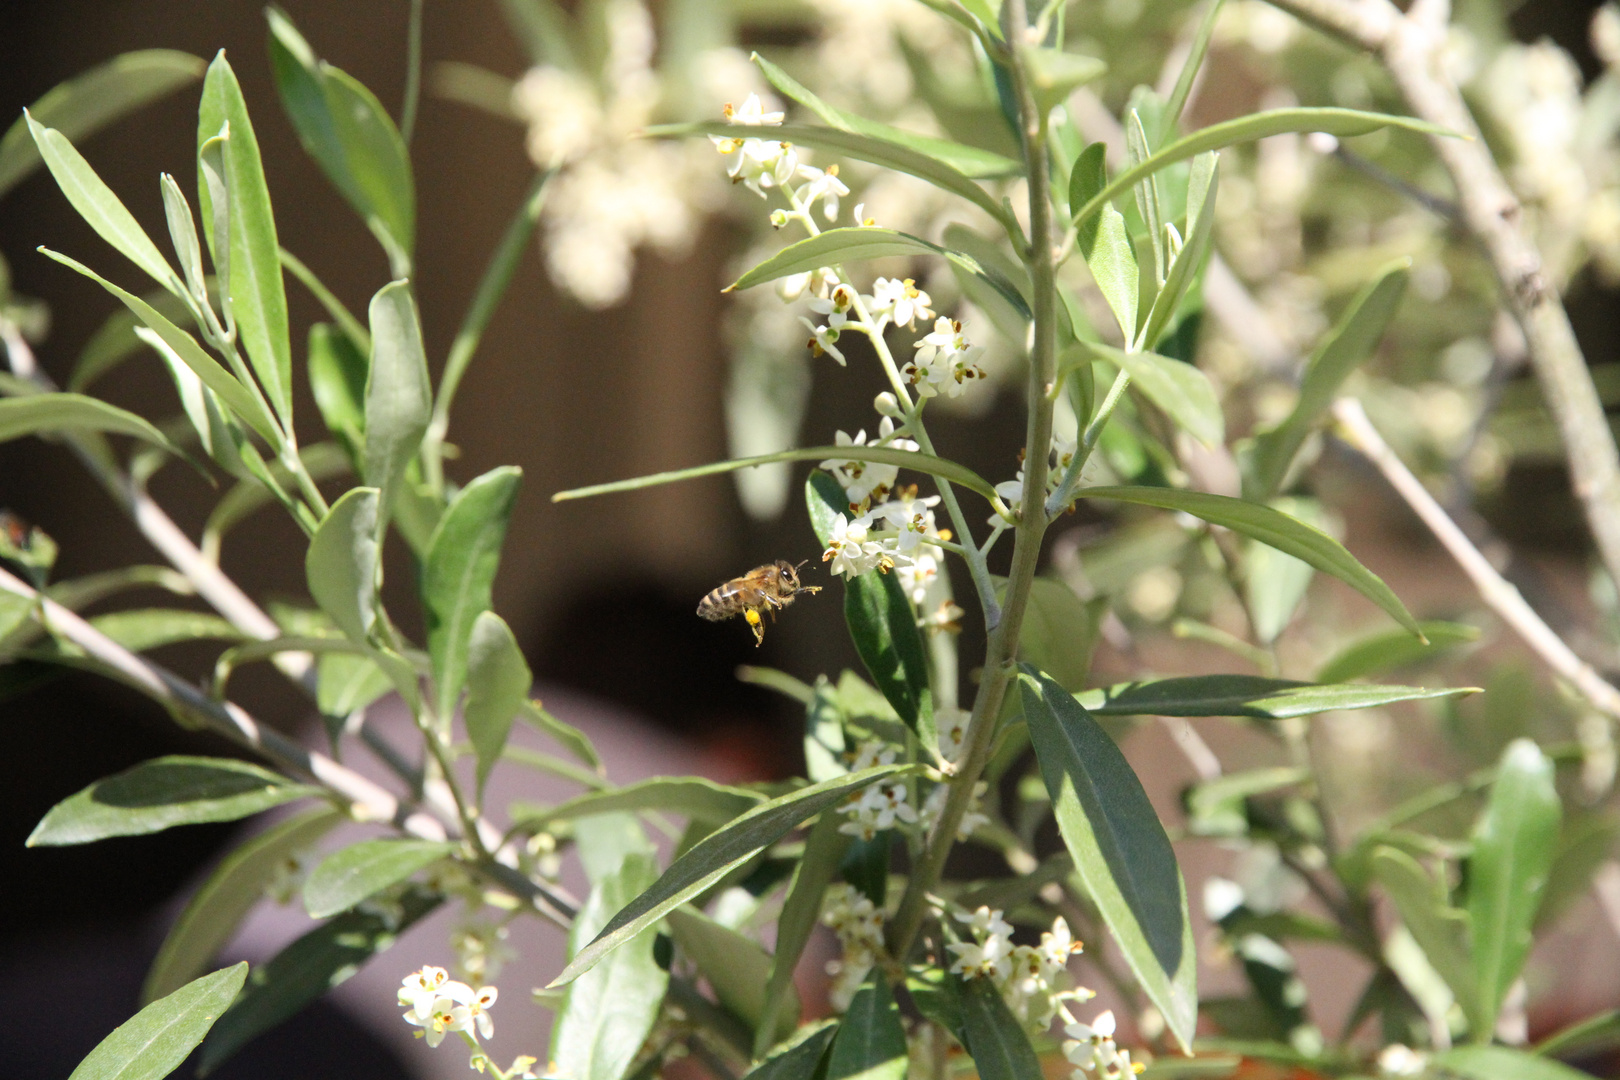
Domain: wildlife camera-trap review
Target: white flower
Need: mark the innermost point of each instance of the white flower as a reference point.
(989, 955)
(859, 926)
(972, 818)
(818, 282)
(951, 726)
(419, 990)
(447, 1016)
(1057, 945)
(851, 553)
(478, 1008)
(862, 480)
(870, 753)
(823, 185)
(879, 807)
(899, 301)
(759, 163)
(752, 113)
(1399, 1060)
(944, 362)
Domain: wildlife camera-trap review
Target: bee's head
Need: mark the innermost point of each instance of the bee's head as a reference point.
(788, 572)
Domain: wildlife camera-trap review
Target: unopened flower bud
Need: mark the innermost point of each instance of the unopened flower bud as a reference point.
(887, 405)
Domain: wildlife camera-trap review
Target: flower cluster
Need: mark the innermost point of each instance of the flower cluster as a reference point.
(1033, 979)
(859, 926)
(1091, 1048)
(1011, 492)
(481, 948)
(944, 362)
(891, 527)
(879, 806)
(439, 1005)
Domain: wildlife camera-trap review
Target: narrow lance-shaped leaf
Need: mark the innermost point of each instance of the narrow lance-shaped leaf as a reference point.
(800, 1057)
(162, 793)
(1502, 1063)
(1515, 841)
(341, 566)
(736, 966)
(1000, 1048)
(801, 910)
(91, 100)
(44, 414)
(257, 294)
(216, 910)
(99, 207)
(1247, 695)
(717, 855)
(1333, 121)
(881, 621)
(1343, 349)
(1439, 929)
(970, 160)
(608, 1012)
(498, 681)
(888, 455)
(153, 1043)
(871, 1042)
(1181, 390)
(1393, 649)
(360, 871)
(1269, 527)
(398, 398)
(459, 574)
(1120, 849)
(1201, 188)
(213, 374)
(1103, 241)
(692, 797)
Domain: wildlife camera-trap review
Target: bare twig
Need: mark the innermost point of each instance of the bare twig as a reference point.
(1494, 589)
(1411, 46)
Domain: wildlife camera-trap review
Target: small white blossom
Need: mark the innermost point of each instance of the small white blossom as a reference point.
(944, 362)
(752, 113)
(851, 553)
(819, 282)
(420, 989)
(859, 926)
(951, 726)
(900, 302)
(823, 185)
(759, 163)
(862, 480)
(439, 1005)
(1399, 1060)
(989, 954)
(1091, 1047)
(972, 819)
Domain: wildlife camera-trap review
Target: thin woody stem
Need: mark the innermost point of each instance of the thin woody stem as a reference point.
(1002, 649)
(1411, 48)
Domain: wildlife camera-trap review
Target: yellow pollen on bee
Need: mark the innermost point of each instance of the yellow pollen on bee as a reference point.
(752, 616)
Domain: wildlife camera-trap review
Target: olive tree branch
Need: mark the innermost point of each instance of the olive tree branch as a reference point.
(1497, 592)
(1410, 47)
(1002, 649)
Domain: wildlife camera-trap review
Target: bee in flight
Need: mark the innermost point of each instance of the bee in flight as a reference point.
(764, 588)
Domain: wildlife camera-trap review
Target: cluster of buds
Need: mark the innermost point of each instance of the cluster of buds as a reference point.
(1032, 979)
(859, 926)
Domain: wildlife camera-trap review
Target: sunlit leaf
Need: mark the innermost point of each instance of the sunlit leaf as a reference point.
(1179, 388)
(398, 397)
(153, 1043)
(359, 871)
(1000, 1048)
(1247, 695)
(688, 796)
(871, 1042)
(1390, 649)
(44, 414)
(341, 566)
(498, 683)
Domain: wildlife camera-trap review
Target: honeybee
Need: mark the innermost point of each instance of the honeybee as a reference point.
(764, 588)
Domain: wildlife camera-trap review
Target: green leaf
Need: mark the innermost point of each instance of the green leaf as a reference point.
(1179, 388)
(216, 910)
(861, 147)
(1343, 349)
(871, 1043)
(608, 1012)
(1269, 527)
(149, 628)
(1260, 125)
(258, 296)
(1189, 70)
(717, 855)
(1594, 1034)
(1054, 74)
(1190, 259)
(308, 968)
(1394, 649)
(800, 1058)
(161, 793)
(213, 374)
(360, 871)
(736, 966)
(690, 796)
(1120, 849)
(1246, 695)
(1274, 583)
(1439, 929)
(1515, 841)
(459, 574)
(801, 911)
(888, 455)
(572, 739)
(91, 100)
(498, 683)
(1216, 807)
(1000, 1048)
(99, 207)
(47, 413)
(1104, 242)
(337, 378)
(881, 621)
(153, 1043)
(341, 566)
(937, 995)
(1502, 1063)
(1060, 630)
(969, 160)
(398, 398)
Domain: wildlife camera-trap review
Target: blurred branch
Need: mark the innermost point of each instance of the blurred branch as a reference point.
(1411, 46)
(1497, 592)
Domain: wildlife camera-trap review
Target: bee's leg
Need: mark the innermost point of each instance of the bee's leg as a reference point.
(756, 625)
